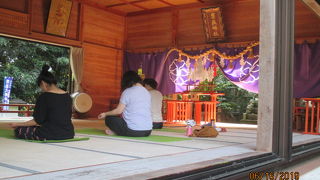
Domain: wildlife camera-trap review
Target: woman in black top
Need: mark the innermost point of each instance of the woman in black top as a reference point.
(52, 113)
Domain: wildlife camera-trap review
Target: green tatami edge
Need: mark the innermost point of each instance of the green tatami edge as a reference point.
(171, 130)
(154, 138)
(6, 133)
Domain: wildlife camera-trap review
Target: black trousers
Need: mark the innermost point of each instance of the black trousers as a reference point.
(157, 125)
(27, 132)
(119, 126)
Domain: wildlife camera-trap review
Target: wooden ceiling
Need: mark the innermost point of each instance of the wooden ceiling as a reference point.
(131, 7)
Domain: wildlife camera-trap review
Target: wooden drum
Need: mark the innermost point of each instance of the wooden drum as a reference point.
(82, 102)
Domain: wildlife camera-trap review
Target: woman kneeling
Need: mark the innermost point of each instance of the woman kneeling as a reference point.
(135, 107)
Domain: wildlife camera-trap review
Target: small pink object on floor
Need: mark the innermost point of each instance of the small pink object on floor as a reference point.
(109, 132)
(189, 131)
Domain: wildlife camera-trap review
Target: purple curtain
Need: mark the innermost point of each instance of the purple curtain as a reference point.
(243, 72)
(307, 70)
(153, 66)
(246, 76)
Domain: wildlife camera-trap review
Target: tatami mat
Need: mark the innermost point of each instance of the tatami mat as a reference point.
(130, 148)
(108, 157)
(51, 157)
(131, 168)
(9, 170)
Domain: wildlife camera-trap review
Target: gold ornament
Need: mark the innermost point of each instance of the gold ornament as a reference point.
(180, 58)
(242, 62)
(230, 64)
(222, 62)
(251, 55)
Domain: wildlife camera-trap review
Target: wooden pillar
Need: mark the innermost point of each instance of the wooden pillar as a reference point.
(276, 74)
(175, 25)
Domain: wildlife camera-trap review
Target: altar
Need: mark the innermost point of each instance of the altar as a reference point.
(188, 105)
(312, 116)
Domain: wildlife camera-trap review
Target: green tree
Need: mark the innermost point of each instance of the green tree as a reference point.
(23, 61)
(235, 100)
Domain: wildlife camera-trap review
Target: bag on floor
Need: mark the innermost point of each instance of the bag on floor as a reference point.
(205, 131)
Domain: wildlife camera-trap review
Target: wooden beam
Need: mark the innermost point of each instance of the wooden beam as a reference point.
(124, 3)
(14, 20)
(115, 5)
(136, 5)
(103, 45)
(80, 22)
(99, 6)
(125, 34)
(298, 40)
(147, 50)
(30, 15)
(166, 9)
(313, 5)
(175, 25)
(50, 39)
(167, 3)
(42, 38)
(133, 4)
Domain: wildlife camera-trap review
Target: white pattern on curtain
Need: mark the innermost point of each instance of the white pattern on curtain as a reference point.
(77, 67)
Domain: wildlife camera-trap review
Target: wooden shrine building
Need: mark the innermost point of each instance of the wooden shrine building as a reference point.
(105, 29)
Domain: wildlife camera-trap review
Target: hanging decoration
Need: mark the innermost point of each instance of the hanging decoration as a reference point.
(249, 69)
(140, 73)
(212, 52)
(241, 68)
(200, 72)
(178, 70)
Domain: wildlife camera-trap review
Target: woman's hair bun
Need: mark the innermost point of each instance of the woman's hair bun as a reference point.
(45, 69)
(46, 76)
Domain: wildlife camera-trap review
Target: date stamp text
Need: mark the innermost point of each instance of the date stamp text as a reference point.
(285, 175)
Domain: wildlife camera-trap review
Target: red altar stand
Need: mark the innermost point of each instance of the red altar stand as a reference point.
(206, 108)
(178, 110)
(190, 107)
(312, 121)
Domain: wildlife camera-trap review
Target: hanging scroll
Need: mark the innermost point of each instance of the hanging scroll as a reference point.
(59, 17)
(213, 25)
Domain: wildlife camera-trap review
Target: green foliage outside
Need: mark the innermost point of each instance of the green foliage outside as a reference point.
(235, 101)
(23, 61)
